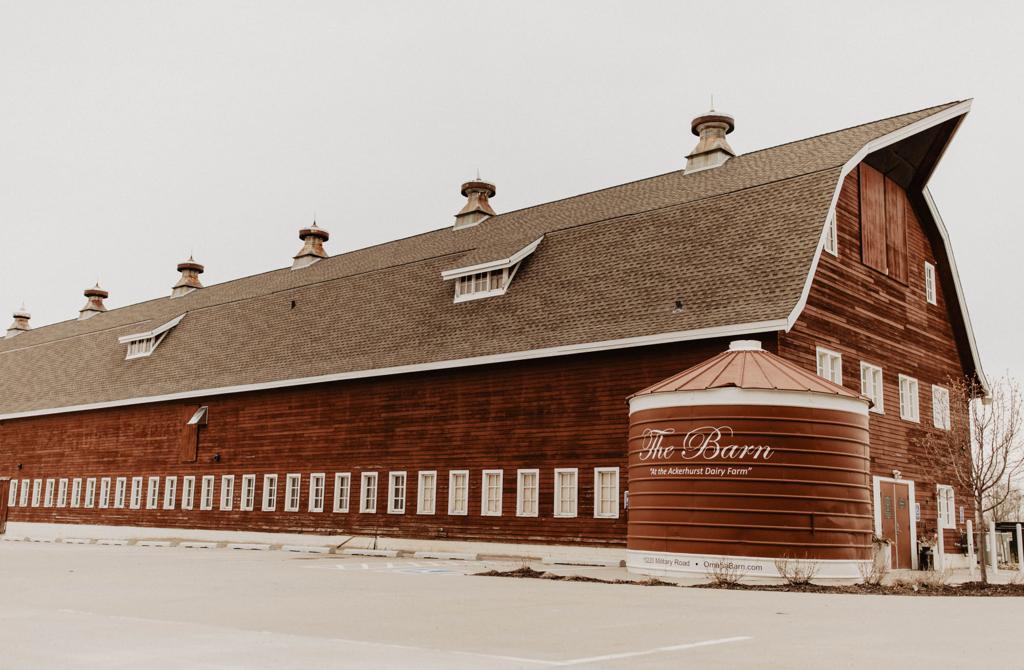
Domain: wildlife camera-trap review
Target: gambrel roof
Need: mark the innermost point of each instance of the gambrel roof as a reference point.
(737, 244)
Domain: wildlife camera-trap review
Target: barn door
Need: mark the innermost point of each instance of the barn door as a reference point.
(895, 499)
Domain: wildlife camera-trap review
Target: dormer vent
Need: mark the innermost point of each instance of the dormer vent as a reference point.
(20, 324)
(94, 298)
(313, 239)
(477, 207)
(189, 280)
(712, 149)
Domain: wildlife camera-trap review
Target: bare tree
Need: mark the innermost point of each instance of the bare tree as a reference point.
(981, 450)
(1012, 507)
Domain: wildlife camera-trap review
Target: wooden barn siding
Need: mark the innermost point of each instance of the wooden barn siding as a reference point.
(567, 411)
(868, 316)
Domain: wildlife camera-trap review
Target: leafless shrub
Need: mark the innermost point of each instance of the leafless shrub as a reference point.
(873, 573)
(725, 573)
(795, 571)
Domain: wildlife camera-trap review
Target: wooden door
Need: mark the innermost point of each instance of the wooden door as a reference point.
(895, 499)
(4, 487)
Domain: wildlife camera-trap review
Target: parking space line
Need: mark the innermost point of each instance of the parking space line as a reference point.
(656, 650)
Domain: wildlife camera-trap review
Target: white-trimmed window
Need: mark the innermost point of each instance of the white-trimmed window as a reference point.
(269, 493)
(940, 407)
(90, 492)
(227, 492)
(170, 491)
(292, 492)
(830, 365)
(490, 493)
(342, 490)
(606, 493)
(566, 491)
(37, 492)
(136, 499)
(368, 492)
(248, 501)
(317, 484)
(831, 236)
(909, 404)
(144, 344)
(458, 492)
(120, 492)
(104, 500)
(871, 386)
(482, 284)
(206, 492)
(76, 492)
(153, 493)
(946, 504)
(527, 492)
(396, 492)
(188, 492)
(62, 493)
(12, 494)
(426, 492)
(48, 494)
(25, 486)
(930, 293)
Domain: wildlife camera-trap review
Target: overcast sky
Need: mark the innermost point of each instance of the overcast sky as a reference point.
(135, 133)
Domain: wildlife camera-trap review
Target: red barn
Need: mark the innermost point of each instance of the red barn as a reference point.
(470, 383)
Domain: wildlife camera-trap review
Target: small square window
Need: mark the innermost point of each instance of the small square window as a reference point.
(830, 365)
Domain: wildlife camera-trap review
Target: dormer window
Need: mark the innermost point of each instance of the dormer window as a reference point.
(487, 279)
(141, 345)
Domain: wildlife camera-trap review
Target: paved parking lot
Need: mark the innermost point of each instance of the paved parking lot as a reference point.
(128, 607)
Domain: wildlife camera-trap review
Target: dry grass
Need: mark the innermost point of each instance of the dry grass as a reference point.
(725, 573)
(795, 571)
(873, 573)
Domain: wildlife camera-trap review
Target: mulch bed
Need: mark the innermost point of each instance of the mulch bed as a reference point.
(899, 588)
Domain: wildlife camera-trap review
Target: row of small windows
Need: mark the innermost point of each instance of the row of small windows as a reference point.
(119, 493)
(830, 366)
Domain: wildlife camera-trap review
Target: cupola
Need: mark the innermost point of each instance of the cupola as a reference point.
(94, 298)
(20, 323)
(189, 280)
(312, 250)
(712, 149)
(477, 207)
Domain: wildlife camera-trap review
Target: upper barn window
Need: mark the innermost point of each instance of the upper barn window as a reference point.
(141, 345)
(487, 279)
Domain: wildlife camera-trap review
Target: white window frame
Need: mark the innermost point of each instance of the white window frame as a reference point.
(453, 501)
(62, 492)
(829, 364)
(106, 486)
(135, 498)
(269, 499)
(342, 491)
(398, 491)
(188, 492)
(521, 499)
(906, 384)
(940, 407)
(89, 500)
(37, 492)
(141, 345)
(26, 487)
(831, 244)
(598, 493)
(48, 492)
(317, 491)
(76, 492)
(368, 505)
(559, 511)
(872, 386)
(945, 504)
(120, 492)
(247, 502)
(227, 492)
(170, 491)
(486, 508)
(931, 294)
(426, 504)
(153, 493)
(12, 494)
(207, 491)
(292, 491)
